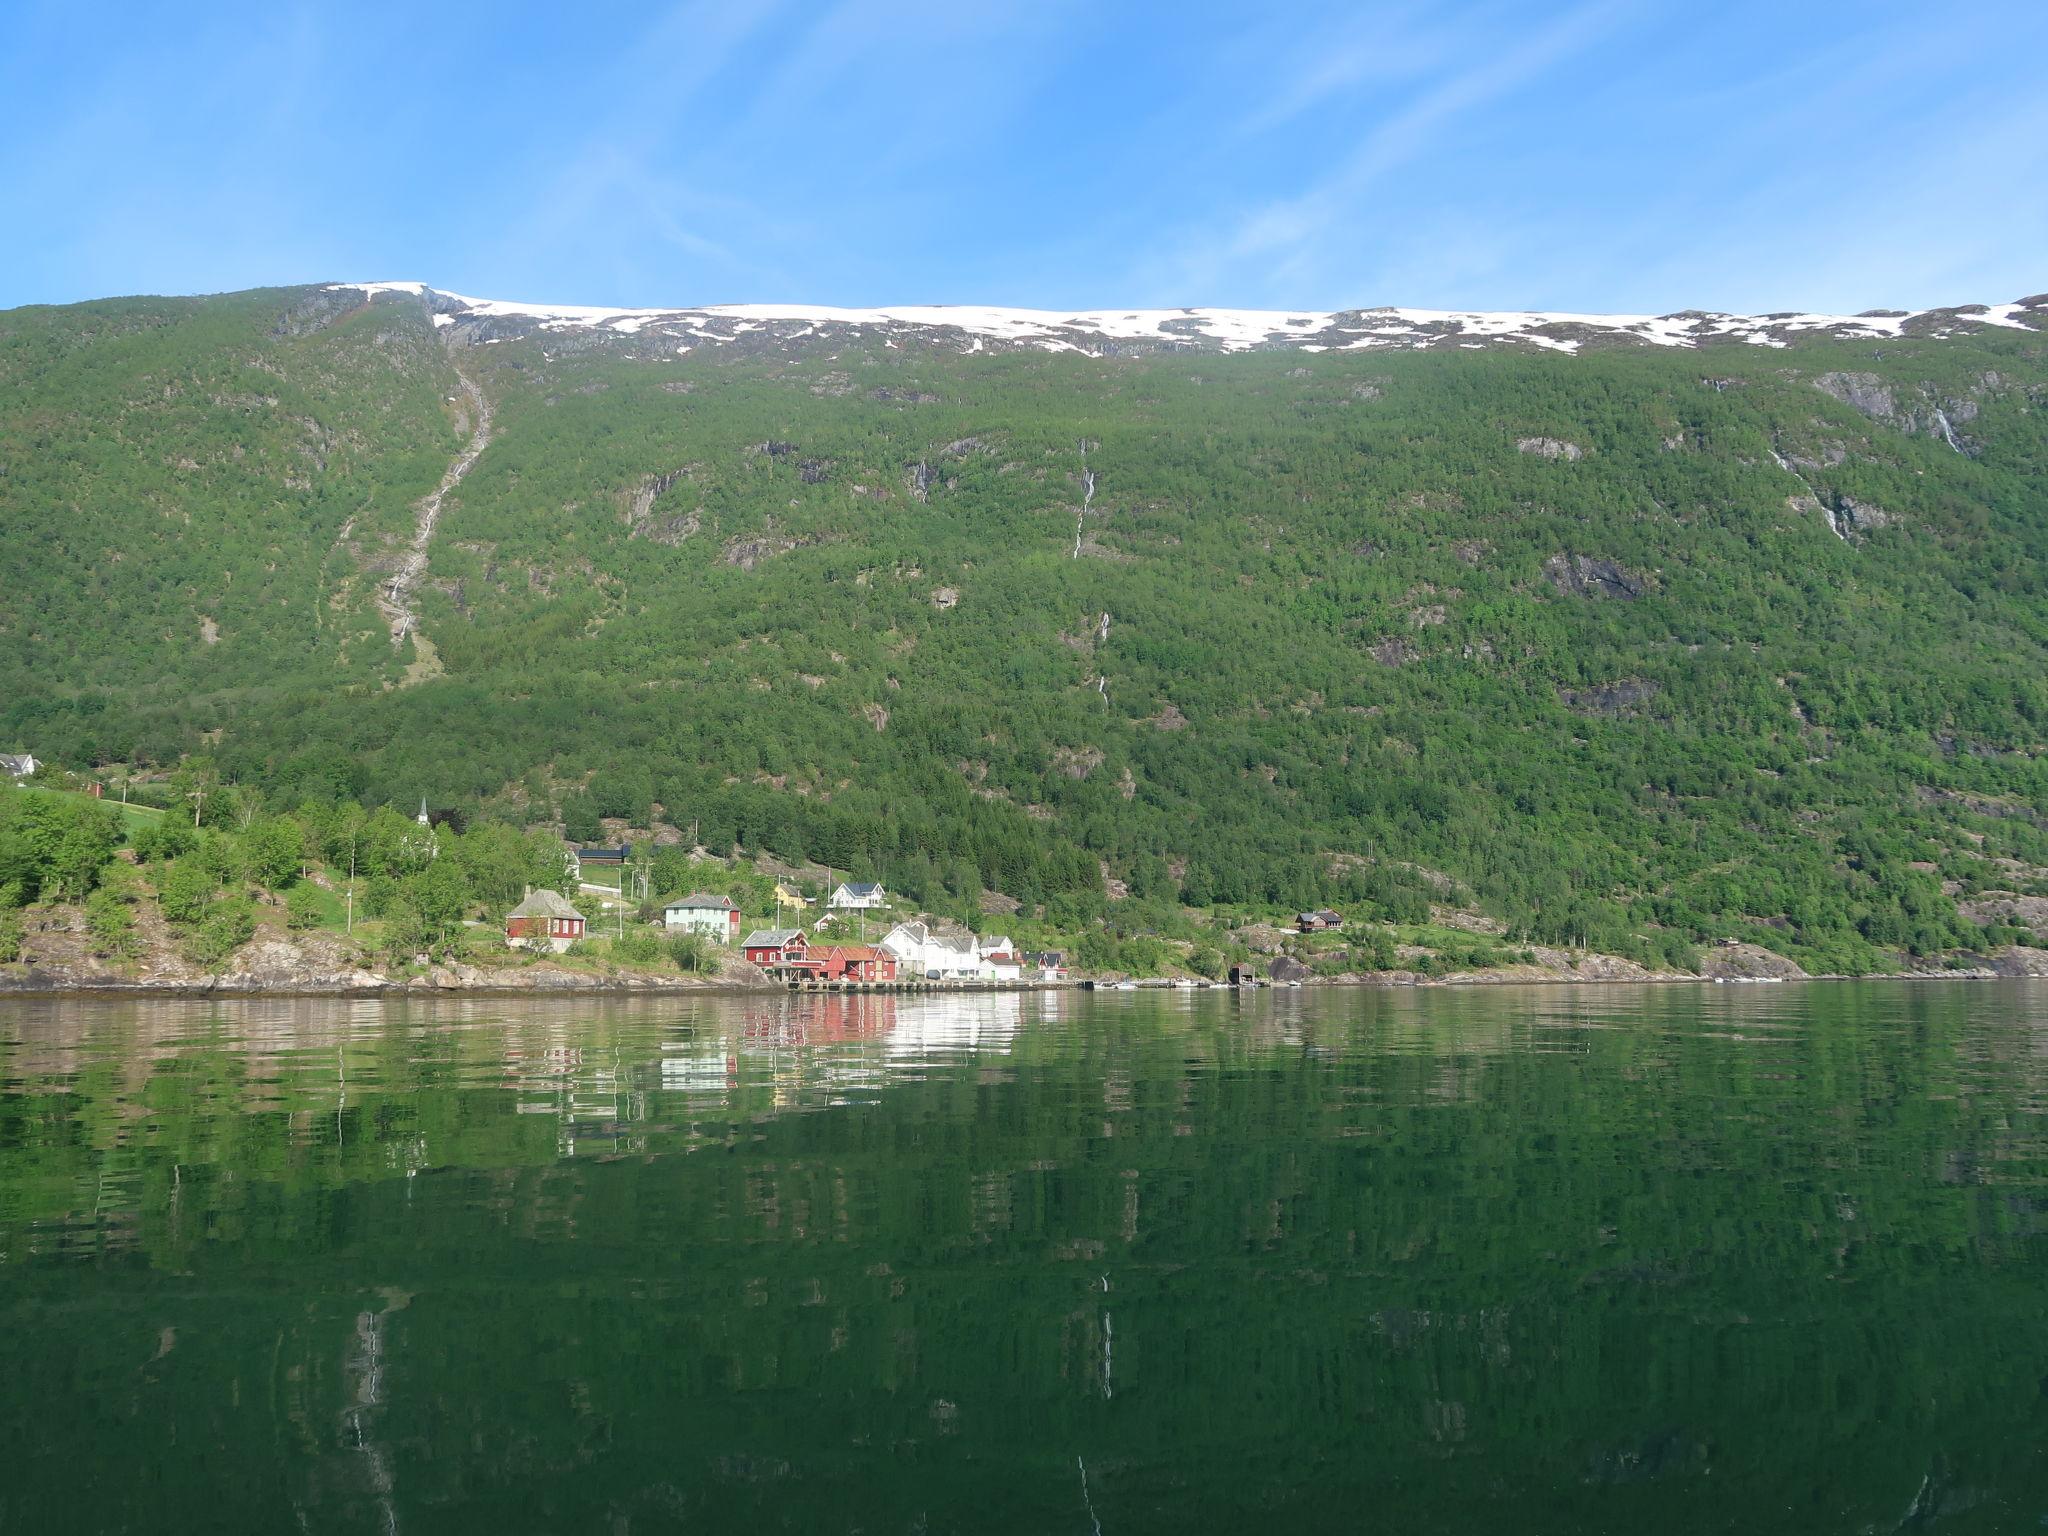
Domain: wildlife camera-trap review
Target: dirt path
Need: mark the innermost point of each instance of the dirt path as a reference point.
(395, 599)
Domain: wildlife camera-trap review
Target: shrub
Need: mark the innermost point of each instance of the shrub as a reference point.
(302, 906)
(10, 937)
(690, 952)
(166, 838)
(637, 947)
(183, 890)
(225, 928)
(111, 923)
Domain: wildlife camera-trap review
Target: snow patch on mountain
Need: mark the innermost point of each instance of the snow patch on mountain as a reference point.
(1229, 330)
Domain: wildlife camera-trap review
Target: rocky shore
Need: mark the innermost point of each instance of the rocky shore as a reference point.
(320, 966)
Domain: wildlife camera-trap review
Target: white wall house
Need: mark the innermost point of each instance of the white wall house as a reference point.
(929, 956)
(701, 912)
(18, 766)
(853, 896)
(998, 959)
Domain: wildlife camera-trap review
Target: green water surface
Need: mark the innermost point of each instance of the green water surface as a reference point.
(1744, 1259)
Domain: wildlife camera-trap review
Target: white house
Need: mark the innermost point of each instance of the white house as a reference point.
(998, 959)
(18, 765)
(701, 912)
(932, 956)
(858, 897)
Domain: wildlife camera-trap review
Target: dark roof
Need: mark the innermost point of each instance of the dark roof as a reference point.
(770, 938)
(545, 903)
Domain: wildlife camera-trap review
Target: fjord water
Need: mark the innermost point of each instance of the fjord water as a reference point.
(1682, 1259)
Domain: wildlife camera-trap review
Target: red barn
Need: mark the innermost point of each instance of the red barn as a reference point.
(855, 962)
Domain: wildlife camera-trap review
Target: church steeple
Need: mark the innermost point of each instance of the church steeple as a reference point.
(422, 817)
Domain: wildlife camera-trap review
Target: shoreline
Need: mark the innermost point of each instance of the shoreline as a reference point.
(571, 984)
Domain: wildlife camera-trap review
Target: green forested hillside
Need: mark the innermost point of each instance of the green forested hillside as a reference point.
(1573, 639)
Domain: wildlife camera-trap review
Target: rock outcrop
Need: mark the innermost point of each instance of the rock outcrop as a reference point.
(1551, 448)
(1589, 576)
(1747, 962)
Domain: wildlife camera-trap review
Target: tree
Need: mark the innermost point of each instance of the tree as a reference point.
(184, 888)
(580, 822)
(276, 851)
(302, 906)
(111, 922)
(690, 953)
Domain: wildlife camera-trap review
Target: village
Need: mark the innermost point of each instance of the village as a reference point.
(832, 952)
(345, 903)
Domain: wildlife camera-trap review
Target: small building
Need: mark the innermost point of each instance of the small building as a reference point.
(602, 857)
(1047, 964)
(1324, 921)
(787, 895)
(18, 765)
(544, 920)
(775, 949)
(1244, 974)
(854, 962)
(702, 912)
(858, 896)
(999, 959)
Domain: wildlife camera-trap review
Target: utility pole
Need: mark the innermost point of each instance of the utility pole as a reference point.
(355, 831)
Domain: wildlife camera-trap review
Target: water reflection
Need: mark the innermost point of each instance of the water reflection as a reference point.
(1549, 1259)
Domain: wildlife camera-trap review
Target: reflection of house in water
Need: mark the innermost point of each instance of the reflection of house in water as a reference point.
(585, 1088)
(780, 1054)
(955, 1024)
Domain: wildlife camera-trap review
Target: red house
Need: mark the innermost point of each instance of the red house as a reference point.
(544, 920)
(776, 949)
(855, 962)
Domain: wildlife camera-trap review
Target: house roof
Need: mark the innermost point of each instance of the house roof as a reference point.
(19, 763)
(861, 887)
(545, 903)
(770, 938)
(700, 900)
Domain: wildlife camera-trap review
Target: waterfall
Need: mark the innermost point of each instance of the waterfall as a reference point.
(1087, 497)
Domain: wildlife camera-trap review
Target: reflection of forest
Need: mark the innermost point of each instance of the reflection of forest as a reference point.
(1686, 1259)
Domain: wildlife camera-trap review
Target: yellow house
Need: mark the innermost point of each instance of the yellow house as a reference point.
(787, 895)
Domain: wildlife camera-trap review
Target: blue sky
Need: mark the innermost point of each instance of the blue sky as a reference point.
(1612, 155)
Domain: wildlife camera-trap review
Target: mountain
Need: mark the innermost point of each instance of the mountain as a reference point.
(1637, 632)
